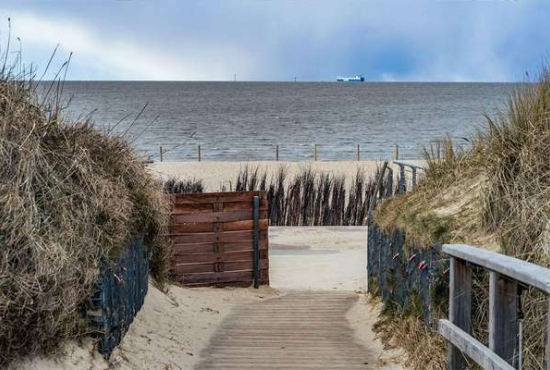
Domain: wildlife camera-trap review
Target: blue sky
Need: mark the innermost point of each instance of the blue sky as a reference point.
(386, 40)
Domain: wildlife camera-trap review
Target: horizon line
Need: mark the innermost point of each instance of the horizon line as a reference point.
(300, 81)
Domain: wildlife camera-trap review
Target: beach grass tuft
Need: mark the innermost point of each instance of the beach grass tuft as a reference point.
(493, 193)
(71, 198)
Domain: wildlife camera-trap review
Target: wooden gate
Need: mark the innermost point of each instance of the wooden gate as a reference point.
(214, 238)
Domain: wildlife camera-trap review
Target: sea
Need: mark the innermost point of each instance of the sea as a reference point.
(246, 121)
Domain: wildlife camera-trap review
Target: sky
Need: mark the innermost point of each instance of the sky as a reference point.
(279, 40)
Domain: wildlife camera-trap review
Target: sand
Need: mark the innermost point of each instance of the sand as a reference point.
(318, 258)
(167, 334)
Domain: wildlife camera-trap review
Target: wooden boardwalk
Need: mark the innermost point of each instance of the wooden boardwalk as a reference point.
(298, 331)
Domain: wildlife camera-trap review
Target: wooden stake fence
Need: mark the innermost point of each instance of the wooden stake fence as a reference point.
(277, 153)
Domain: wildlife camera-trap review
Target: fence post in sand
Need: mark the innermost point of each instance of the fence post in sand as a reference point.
(256, 240)
(396, 152)
(277, 153)
(358, 153)
(199, 153)
(161, 153)
(315, 152)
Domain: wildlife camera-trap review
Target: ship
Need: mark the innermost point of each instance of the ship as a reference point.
(351, 79)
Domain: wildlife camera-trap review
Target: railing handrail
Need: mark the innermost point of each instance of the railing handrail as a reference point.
(417, 166)
(526, 272)
(414, 167)
(504, 275)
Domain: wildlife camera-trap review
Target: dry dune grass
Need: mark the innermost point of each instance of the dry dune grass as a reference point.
(70, 197)
(505, 175)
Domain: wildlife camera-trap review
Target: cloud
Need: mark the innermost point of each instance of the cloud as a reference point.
(279, 40)
(101, 54)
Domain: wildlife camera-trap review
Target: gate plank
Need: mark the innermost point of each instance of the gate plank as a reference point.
(229, 236)
(219, 257)
(219, 277)
(206, 227)
(216, 217)
(188, 208)
(205, 248)
(215, 197)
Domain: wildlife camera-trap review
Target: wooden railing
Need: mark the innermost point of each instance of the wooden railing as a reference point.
(415, 167)
(505, 274)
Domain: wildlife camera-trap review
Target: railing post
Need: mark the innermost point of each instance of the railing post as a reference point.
(460, 308)
(199, 156)
(256, 241)
(358, 153)
(396, 152)
(161, 153)
(413, 177)
(402, 179)
(277, 153)
(315, 152)
(503, 293)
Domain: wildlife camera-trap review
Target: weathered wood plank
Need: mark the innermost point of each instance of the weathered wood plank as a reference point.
(503, 315)
(215, 217)
(206, 227)
(460, 308)
(525, 272)
(193, 268)
(482, 355)
(205, 248)
(219, 277)
(244, 265)
(187, 208)
(214, 197)
(218, 257)
(228, 236)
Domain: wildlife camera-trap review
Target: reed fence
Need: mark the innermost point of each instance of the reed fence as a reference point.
(312, 198)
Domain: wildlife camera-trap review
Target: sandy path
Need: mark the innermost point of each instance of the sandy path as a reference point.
(306, 330)
(322, 320)
(171, 330)
(167, 334)
(318, 258)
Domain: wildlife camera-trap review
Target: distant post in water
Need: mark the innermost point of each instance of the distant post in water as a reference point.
(277, 153)
(315, 152)
(199, 153)
(358, 153)
(161, 153)
(396, 152)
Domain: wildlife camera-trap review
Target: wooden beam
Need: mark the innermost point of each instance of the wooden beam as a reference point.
(525, 272)
(503, 333)
(460, 308)
(482, 355)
